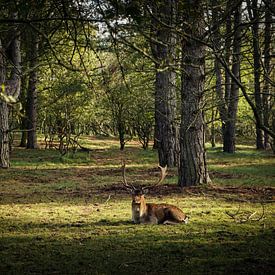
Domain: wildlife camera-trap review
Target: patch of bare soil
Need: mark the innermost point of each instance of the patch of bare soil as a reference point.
(257, 194)
(222, 175)
(252, 194)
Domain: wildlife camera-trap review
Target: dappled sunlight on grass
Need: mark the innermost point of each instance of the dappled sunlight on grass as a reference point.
(81, 235)
(71, 215)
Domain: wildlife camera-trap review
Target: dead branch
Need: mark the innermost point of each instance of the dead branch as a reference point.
(233, 215)
(243, 216)
(107, 199)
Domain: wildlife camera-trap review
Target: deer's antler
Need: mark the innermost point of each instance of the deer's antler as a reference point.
(124, 182)
(163, 173)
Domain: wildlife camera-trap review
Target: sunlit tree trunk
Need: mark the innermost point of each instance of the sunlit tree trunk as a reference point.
(193, 167)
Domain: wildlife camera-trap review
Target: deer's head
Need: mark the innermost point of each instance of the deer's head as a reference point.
(139, 192)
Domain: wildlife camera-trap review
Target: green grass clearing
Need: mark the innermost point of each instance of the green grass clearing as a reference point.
(71, 216)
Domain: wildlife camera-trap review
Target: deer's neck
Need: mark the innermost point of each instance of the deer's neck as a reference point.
(143, 208)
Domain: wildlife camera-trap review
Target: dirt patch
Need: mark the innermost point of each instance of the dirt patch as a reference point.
(222, 175)
(264, 194)
(253, 194)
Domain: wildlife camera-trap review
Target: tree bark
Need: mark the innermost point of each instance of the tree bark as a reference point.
(254, 17)
(267, 70)
(229, 129)
(4, 135)
(222, 94)
(23, 120)
(193, 167)
(31, 107)
(163, 45)
(11, 87)
(227, 97)
(4, 119)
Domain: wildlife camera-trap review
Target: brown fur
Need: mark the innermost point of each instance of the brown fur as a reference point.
(143, 212)
(152, 213)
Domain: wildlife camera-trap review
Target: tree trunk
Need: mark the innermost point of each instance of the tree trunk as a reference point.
(4, 135)
(254, 17)
(163, 49)
(166, 135)
(228, 52)
(4, 117)
(267, 69)
(223, 95)
(213, 128)
(31, 107)
(121, 133)
(193, 167)
(23, 120)
(273, 128)
(229, 129)
(11, 88)
(23, 140)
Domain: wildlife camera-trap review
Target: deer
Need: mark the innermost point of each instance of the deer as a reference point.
(151, 213)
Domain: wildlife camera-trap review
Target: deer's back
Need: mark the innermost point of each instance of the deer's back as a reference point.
(164, 212)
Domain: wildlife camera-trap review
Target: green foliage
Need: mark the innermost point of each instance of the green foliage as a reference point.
(5, 97)
(128, 97)
(65, 109)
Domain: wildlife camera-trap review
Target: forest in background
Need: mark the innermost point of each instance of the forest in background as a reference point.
(177, 73)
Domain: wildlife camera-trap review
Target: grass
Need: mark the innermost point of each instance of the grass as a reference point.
(71, 216)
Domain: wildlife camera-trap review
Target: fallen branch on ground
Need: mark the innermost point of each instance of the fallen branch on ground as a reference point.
(244, 216)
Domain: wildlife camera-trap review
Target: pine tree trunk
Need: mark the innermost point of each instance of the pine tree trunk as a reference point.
(166, 136)
(4, 135)
(254, 17)
(267, 65)
(193, 167)
(31, 107)
(11, 86)
(4, 117)
(229, 127)
(228, 53)
(163, 48)
(23, 120)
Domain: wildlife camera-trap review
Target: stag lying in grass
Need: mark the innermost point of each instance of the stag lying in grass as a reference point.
(151, 213)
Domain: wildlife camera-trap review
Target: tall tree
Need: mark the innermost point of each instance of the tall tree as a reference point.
(193, 167)
(222, 91)
(10, 71)
(267, 69)
(227, 90)
(229, 128)
(31, 106)
(253, 11)
(163, 46)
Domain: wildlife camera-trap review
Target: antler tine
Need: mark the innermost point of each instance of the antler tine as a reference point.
(124, 182)
(162, 177)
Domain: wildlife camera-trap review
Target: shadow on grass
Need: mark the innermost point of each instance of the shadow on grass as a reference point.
(137, 252)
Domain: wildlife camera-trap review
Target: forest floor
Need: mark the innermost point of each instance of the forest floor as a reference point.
(71, 215)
